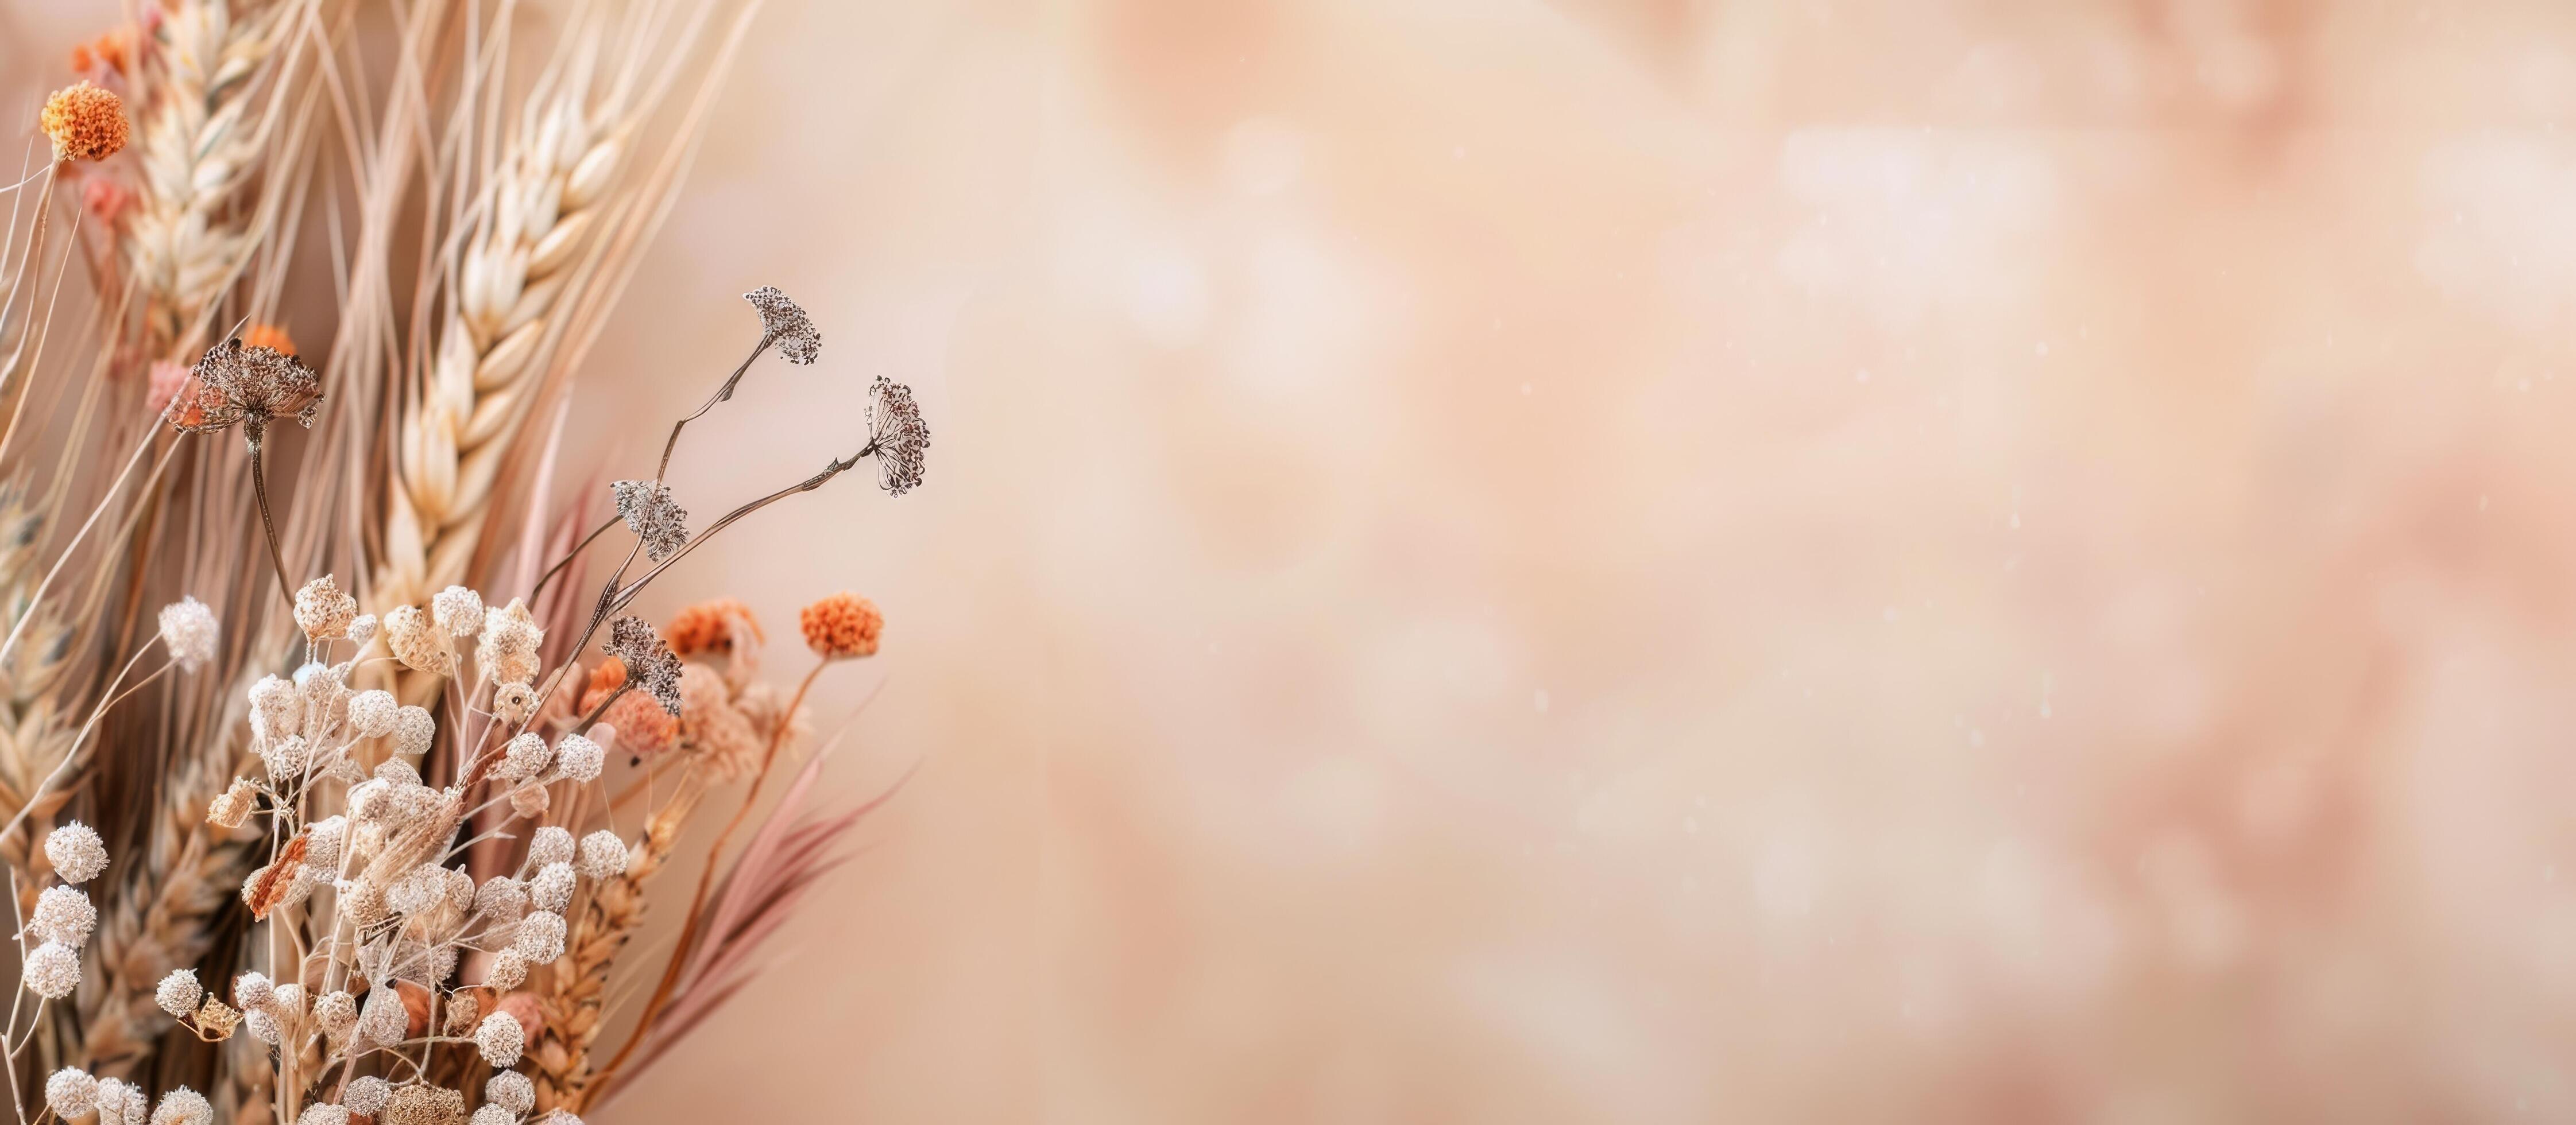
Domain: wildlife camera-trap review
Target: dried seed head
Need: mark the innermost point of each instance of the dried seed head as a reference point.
(509, 970)
(179, 992)
(337, 1012)
(784, 324)
(63, 914)
(508, 652)
(384, 1018)
(189, 629)
(289, 1002)
(417, 642)
(540, 939)
(550, 845)
(76, 853)
(649, 663)
(249, 386)
(361, 628)
(120, 1104)
(322, 611)
(461, 1013)
(52, 970)
(372, 712)
(414, 730)
(285, 758)
(511, 1091)
(183, 1106)
(654, 517)
(530, 800)
(324, 1113)
(523, 757)
(253, 990)
(366, 1095)
(72, 1092)
(414, 1104)
(234, 805)
(501, 899)
(458, 611)
(492, 1115)
(363, 901)
(900, 439)
(513, 702)
(85, 122)
(499, 1039)
(579, 758)
(276, 708)
(842, 625)
(261, 1026)
(552, 888)
(419, 891)
(216, 1018)
(603, 855)
(323, 841)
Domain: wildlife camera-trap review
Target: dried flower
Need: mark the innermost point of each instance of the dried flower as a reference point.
(413, 731)
(552, 888)
(508, 652)
(261, 1026)
(323, 840)
(648, 661)
(550, 844)
(63, 914)
(499, 1039)
(337, 1012)
(183, 1106)
(372, 712)
(461, 1012)
(540, 940)
(417, 642)
(416, 1104)
(603, 855)
(721, 626)
(458, 611)
(419, 890)
(324, 1113)
(362, 901)
(249, 386)
(85, 122)
(513, 702)
(166, 380)
(384, 1018)
(523, 757)
(362, 628)
(216, 1018)
(120, 1103)
(276, 708)
(579, 758)
(75, 852)
(322, 611)
(366, 1095)
(52, 970)
(511, 1091)
(784, 324)
(189, 629)
(640, 725)
(897, 434)
(72, 1092)
(842, 625)
(559, 1116)
(507, 972)
(253, 990)
(717, 732)
(530, 800)
(492, 1115)
(234, 806)
(654, 517)
(501, 899)
(179, 992)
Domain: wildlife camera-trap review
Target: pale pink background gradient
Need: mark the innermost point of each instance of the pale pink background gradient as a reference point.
(1650, 561)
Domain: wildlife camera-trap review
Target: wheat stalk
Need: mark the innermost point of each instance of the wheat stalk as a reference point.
(572, 992)
(200, 142)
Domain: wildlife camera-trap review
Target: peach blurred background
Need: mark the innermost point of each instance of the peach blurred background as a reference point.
(1659, 561)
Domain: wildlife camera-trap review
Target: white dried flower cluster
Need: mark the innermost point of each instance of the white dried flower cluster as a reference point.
(372, 712)
(417, 641)
(322, 611)
(52, 970)
(510, 1091)
(524, 757)
(367, 1095)
(458, 612)
(183, 1106)
(500, 1039)
(552, 888)
(64, 915)
(324, 1113)
(72, 1092)
(603, 855)
(550, 845)
(76, 853)
(179, 993)
(579, 758)
(121, 1103)
(188, 628)
(493, 1115)
(508, 650)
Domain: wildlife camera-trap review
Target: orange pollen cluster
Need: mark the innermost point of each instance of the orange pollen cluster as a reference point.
(709, 627)
(268, 336)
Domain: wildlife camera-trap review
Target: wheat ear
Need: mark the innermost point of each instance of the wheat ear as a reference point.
(572, 991)
(200, 141)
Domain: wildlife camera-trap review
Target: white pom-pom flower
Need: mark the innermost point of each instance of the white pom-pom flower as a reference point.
(53, 970)
(189, 629)
(603, 855)
(371, 712)
(511, 1091)
(414, 729)
(501, 899)
(323, 841)
(500, 1039)
(550, 844)
(179, 993)
(366, 1095)
(540, 939)
(64, 914)
(493, 1115)
(457, 610)
(72, 1092)
(183, 1106)
(579, 758)
(324, 1113)
(524, 757)
(552, 888)
(253, 991)
(76, 853)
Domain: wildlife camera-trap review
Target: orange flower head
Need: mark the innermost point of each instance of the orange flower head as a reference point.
(84, 121)
(604, 679)
(268, 336)
(841, 625)
(82, 60)
(717, 626)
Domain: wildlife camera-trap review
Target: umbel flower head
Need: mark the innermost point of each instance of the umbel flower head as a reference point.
(786, 325)
(897, 434)
(648, 661)
(249, 386)
(85, 122)
(654, 517)
(189, 628)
